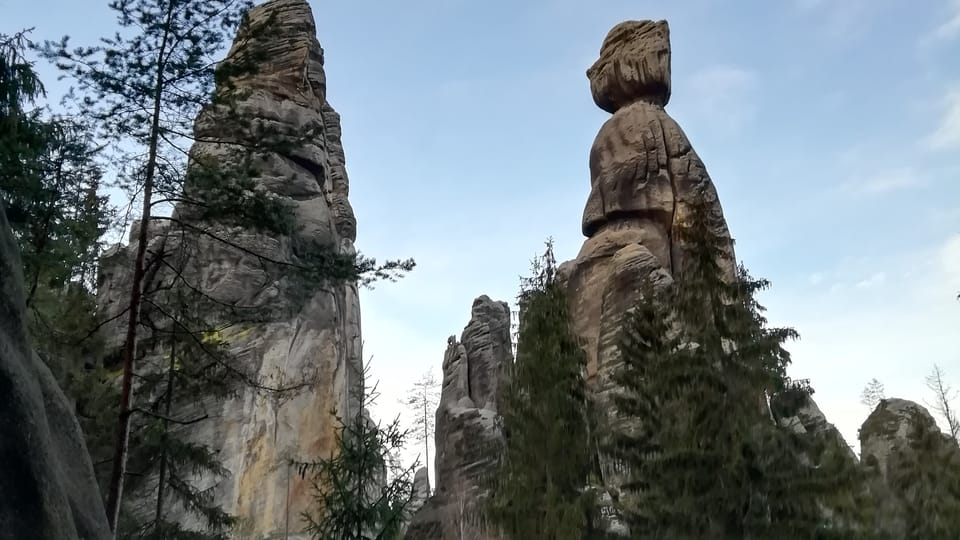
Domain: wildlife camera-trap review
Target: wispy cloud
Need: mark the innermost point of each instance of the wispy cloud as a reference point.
(875, 280)
(950, 28)
(886, 181)
(840, 19)
(722, 96)
(947, 134)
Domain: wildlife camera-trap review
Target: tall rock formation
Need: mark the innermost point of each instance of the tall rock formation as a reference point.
(468, 439)
(643, 175)
(309, 332)
(47, 487)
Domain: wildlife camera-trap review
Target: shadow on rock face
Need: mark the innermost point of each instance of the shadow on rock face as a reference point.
(47, 487)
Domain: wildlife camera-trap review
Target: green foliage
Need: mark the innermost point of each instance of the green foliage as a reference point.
(539, 489)
(181, 385)
(702, 455)
(360, 493)
(49, 183)
(19, 83)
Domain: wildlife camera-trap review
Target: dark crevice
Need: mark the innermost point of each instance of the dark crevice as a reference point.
(649, 214)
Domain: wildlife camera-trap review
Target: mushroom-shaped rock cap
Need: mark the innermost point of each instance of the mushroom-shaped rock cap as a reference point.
(634, 65)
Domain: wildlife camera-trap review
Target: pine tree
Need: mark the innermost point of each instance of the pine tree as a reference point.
(539, 488)
(360, 491)
(144, 87)
(702, 454)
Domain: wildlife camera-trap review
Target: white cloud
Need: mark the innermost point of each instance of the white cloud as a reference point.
(885, 181)
(950, 28)
(947, 134)
(854, 333)
(816, 278)
(840, 19)
(875, 280)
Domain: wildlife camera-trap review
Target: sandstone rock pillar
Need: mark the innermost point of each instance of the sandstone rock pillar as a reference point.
(468, 440)
(312, 332)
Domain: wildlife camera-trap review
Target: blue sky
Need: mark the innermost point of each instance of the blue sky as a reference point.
(830, 128)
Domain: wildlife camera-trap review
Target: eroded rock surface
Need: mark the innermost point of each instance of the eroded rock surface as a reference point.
(306, 332)
(643, 175)
(913, 471)
(47, 487)
(468, 439)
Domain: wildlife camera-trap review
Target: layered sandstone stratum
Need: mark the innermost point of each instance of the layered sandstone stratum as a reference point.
(309, 331)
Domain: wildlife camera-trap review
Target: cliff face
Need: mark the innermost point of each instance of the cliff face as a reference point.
(307, 333)
(47, 487)
(468, 439)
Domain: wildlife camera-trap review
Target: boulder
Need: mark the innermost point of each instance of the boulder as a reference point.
(47, 487)
(913, 472)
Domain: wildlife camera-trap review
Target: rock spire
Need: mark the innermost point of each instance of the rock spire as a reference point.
(312, 331)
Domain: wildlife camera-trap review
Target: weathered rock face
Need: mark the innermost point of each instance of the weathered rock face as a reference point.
(311, 332)
(468, 439)
(643, 175)
(47, 487)
(808, 419)
(913, 471)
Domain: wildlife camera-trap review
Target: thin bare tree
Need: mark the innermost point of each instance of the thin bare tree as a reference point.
(943, 400)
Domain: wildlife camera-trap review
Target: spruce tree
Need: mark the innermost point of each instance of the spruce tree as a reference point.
(539, 487)
(49, 180)
(703, 455)
(360, 491)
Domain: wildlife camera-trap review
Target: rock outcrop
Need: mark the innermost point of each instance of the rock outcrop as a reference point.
(913, 472)
(304, 332)
(47, 487)
(809, 420)
(468, 439)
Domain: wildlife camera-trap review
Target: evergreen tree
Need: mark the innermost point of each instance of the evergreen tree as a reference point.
(539, 489)
(360, 491)
(703, 456)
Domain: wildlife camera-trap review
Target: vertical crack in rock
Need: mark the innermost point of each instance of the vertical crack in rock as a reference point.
(312, 332)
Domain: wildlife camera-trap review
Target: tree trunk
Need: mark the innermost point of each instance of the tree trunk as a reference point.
(115, 490)
(161, 476)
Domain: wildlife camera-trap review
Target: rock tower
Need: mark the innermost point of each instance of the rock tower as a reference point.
(643, 175)
(310, 330)
(468, 439)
